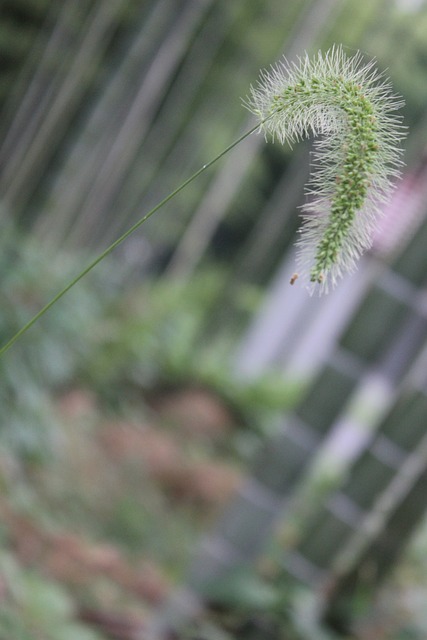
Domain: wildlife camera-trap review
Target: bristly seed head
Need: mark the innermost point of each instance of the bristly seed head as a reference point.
(354, 107)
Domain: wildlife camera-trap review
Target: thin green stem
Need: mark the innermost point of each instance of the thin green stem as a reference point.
(119, 240)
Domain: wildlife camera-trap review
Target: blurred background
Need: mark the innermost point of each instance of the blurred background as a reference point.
(186, 440)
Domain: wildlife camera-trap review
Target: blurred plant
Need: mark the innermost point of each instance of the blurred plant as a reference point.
(62, 341)
(154, 335)
(35, 608)
(248, 606)
(338, 97)
(150, 338)
(154, 339)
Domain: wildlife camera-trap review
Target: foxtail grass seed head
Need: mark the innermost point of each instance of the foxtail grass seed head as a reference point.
(352, 106)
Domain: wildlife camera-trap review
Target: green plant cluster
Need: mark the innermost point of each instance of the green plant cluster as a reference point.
(35, 608)
(60, 343)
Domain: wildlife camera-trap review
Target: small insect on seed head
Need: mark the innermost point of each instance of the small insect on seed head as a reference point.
(293, 279)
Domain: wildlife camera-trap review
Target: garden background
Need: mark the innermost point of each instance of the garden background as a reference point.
(186, 440)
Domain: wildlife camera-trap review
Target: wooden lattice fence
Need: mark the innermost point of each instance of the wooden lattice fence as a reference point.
(366, 411)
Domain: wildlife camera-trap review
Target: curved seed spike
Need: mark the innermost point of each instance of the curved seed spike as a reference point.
(352, 105)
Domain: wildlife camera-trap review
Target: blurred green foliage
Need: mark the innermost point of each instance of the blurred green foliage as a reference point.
(53, 355)
(34, 608)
